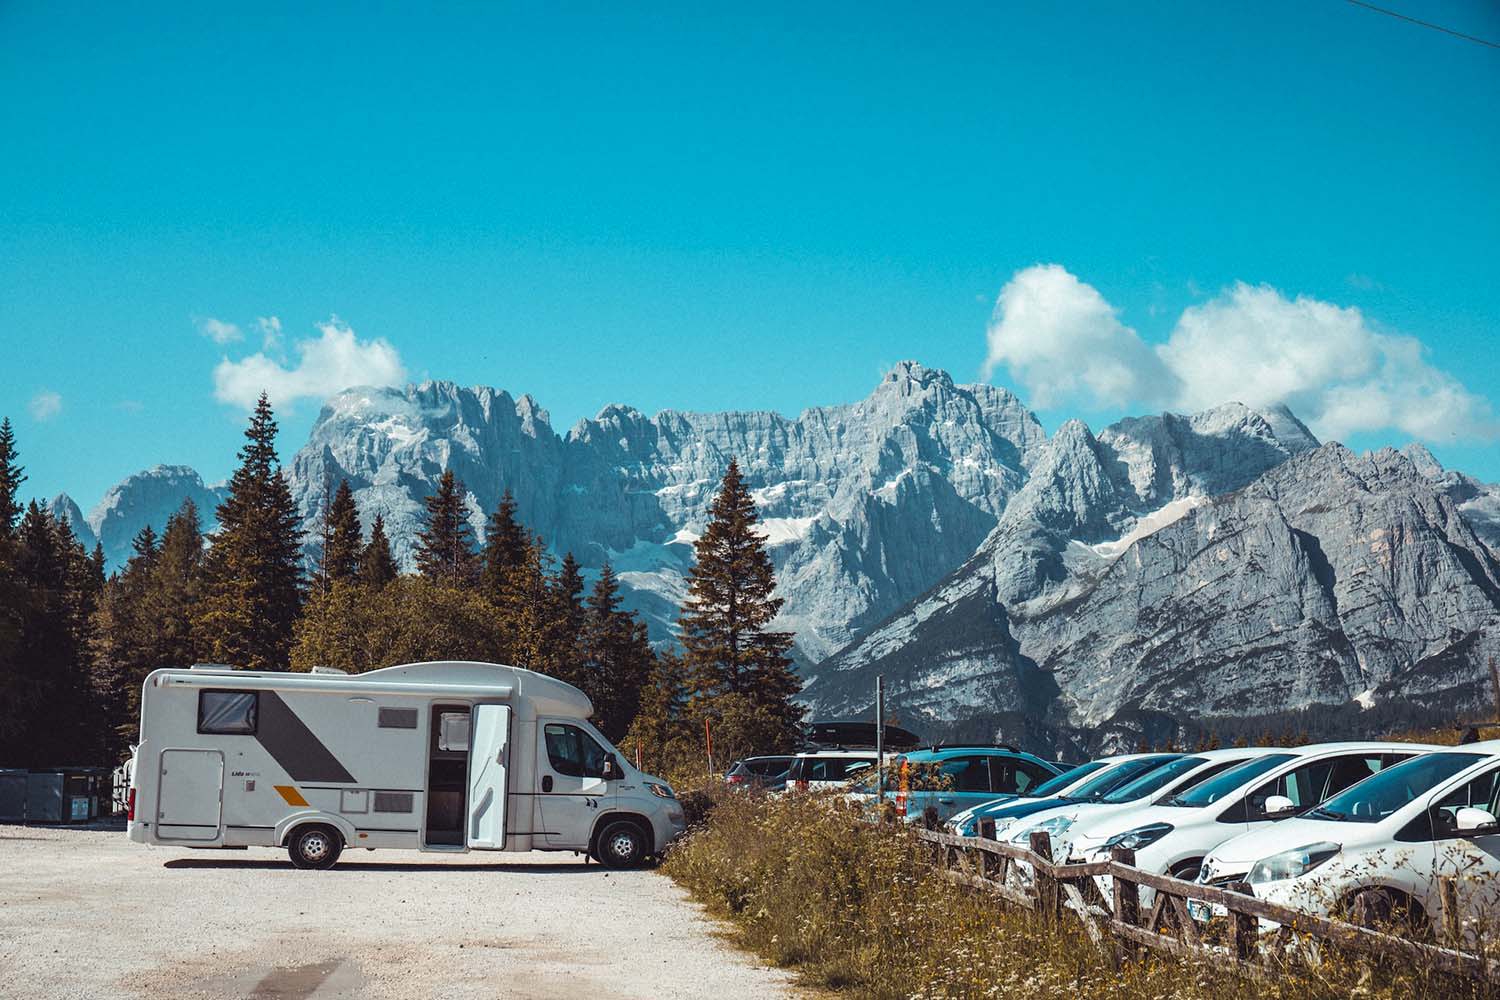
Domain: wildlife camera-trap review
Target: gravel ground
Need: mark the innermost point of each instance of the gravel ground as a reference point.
(85, 913)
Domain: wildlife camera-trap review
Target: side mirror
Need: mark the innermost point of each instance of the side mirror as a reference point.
(1279, 805)
(1472, 819)
(611, 769)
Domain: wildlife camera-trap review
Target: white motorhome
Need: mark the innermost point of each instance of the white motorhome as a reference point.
(447, 756)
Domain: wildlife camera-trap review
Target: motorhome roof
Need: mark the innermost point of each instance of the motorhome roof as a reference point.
(443, 677)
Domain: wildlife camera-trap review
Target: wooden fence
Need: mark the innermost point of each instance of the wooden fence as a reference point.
(1059, 890)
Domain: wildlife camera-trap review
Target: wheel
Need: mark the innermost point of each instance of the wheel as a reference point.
(622, 844)
(1384, 910)
(314, 847)
(1186, 870)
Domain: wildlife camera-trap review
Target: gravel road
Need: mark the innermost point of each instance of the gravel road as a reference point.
(85, 913)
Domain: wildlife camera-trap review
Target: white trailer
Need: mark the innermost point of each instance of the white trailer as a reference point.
(448, 756)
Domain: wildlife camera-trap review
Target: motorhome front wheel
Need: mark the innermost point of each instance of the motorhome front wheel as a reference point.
(622, 845)
(314, 847)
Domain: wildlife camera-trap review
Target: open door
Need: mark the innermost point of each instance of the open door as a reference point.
(489, 759)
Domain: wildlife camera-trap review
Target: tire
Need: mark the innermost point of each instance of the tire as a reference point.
(1387, 911)
(1186, 870)
(622, 844)
(314, 847)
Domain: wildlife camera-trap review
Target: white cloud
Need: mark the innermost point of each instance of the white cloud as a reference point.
(270, 332)
(1061, 340)
(219, 331)
(45, 405)
(334, 360)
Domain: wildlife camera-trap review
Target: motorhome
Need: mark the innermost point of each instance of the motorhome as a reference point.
(445, 756)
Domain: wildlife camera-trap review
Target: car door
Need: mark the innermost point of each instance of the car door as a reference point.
(1472, 859)
(964, 782)
(572, 789)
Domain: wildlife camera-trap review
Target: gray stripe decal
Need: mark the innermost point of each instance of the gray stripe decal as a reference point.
(287, 738)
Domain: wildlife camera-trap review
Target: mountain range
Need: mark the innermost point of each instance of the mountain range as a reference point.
(1083, 589)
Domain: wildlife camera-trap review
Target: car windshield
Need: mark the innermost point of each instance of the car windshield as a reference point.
(1121, 774)
(1206, 793)
(1154, 780)
(1057, 784)
(1379, 795)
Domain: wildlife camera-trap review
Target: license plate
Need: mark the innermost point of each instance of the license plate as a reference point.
(1204, 912)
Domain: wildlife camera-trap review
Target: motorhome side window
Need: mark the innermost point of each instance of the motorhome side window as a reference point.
(573, 752)
(228, 713)
(453, 731)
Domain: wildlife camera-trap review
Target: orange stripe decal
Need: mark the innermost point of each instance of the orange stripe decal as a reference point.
(292, 796)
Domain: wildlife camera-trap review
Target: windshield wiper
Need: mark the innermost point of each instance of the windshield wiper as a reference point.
(1321, 813)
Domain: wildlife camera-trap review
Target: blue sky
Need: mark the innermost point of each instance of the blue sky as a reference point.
(762, 207)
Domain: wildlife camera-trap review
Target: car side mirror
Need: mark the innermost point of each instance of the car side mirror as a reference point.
(1472, 819)
(611, 770)
(1279, 805)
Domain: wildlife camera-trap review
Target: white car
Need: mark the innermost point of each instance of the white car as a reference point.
(1085, 783)
(1174, 835)
(1376, 850)
(1070, 818)
(816, 770)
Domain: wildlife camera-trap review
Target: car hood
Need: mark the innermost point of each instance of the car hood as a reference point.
(1103, 825)
(1015, 810)
(1239, 853)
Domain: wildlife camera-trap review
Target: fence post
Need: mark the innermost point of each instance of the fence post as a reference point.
(1448, 893)
(989, 863)
(1244, 929)
(1047, 896)
(1126, 897)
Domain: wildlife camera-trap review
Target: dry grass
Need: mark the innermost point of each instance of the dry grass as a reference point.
(860, 910)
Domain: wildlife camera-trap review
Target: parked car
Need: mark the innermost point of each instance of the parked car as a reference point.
(758, 772)
(1113, 772)
(947, 779)
(816, 770)
(1174, 835)
(1067, 822)
(1375, 851)
(966, 822)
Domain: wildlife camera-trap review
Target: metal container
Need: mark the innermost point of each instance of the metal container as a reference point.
(12, 796)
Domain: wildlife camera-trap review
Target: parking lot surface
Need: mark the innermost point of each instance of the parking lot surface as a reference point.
(85, 913)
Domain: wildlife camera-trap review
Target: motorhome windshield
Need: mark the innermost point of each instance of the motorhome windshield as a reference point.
(1208, 792)
(1154, 780)
(1375, 798)
(1121, 774)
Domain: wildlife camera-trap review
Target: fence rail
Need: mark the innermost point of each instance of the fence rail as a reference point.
(1059, 890)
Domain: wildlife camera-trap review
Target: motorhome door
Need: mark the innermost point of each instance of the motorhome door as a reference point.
(489, 748)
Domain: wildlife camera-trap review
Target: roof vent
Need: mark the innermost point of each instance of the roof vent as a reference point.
(320, 669)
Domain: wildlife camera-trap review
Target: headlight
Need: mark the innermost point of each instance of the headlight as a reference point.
(660, 791)
(1292, 864)
(1141, 836)
(1054, 827)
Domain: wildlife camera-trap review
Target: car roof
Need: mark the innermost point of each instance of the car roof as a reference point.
(943, 753)
(838, 753)
(1314, 749)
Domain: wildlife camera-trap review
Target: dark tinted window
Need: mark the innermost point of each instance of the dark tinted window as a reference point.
(827, 768)
(573, 752)
(769, 765)
(1153, 780)
(1120, 774)
(228, 713)
(1481, 793)
(1310, 784)
(968, 774)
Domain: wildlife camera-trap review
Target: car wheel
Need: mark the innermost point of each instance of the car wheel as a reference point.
(316, 847)
(1384, 910)
(622, 845)
(1186, 870)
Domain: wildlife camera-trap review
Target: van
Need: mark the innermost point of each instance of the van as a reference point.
(446, 756)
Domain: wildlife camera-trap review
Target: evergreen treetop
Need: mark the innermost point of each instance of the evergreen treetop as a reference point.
(11, 478)
(377, 567)
(445, 546)
(340, 561)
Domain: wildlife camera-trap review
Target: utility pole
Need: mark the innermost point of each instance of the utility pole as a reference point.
(880, 738)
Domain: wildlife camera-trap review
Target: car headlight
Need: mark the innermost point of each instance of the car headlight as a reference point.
(1054, 828)
(1141, 836)
(660, 791)
(1292, 864)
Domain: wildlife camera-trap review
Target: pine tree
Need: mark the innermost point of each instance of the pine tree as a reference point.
(340, 559)
(254, 574)
(661, 731)
(445, 547)
(11, 478)
(569, 617)
(507, 546)
(725, 620)
(617, 656)
(143, 546)
(377, 567)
